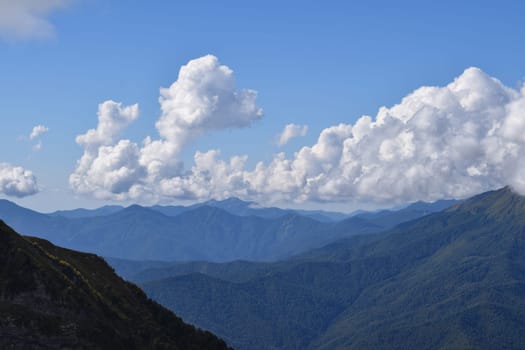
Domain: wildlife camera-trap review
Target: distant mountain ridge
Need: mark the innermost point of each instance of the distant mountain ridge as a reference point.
(391, 218)
(55, 298)
(87, 213)
(200, 232)
(239, 207)
(232, 205)
(453, 279)
(204, 233)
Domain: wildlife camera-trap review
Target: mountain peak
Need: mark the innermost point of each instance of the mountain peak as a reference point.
(501, 204)
(139, 209)
(232, 204)
(231, 201)
(135, 207)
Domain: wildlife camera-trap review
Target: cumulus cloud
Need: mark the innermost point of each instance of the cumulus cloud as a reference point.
(105, 167)
(438, 142)
(450, 141)
(113, 118)
(37, 131)
(291, 131)
(27, 19)
(16, 181)
(204, 98)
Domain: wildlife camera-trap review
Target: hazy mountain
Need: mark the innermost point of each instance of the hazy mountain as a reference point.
(26, 220)
(322, 215)
(54, 298)
(171, 210)
(87, 213)
(203, 233)
(206, 232)
(391, 218)
(128, 269)
(235, 271)
(239, 207)
(453, 279)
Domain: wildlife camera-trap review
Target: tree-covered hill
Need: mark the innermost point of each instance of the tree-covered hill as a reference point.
(55, 298)
(450, 280)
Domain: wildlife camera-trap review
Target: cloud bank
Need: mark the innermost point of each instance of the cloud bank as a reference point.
(27, 19)
(16, 181)
(438, 142)
(204, 98)
(291, 131)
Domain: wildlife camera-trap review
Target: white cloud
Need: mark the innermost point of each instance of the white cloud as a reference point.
(37, 131)
(438, 142)
(450, 141)
(113, 118)
(204, 98)
(26, 19)
(291, 131)
(16, 181)
(105, 169)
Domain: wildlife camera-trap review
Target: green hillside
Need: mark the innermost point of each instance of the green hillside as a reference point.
(450, 280)
(54, 298)
(462, 283)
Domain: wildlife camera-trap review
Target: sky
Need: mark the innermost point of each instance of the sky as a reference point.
(335, 105)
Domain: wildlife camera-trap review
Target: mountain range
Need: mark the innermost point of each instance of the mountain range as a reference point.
(232, 205)
(215, 231)
(453, 279)
(55, 298)
(444, 275)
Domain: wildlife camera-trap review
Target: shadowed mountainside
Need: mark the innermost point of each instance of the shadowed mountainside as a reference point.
(55, 298)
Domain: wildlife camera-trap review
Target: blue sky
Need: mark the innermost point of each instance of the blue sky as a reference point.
(312, 63)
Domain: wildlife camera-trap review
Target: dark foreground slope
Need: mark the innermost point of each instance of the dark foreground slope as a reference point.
(450, 280)
(54, 298)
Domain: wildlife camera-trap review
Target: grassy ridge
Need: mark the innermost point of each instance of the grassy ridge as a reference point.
(58, 298)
